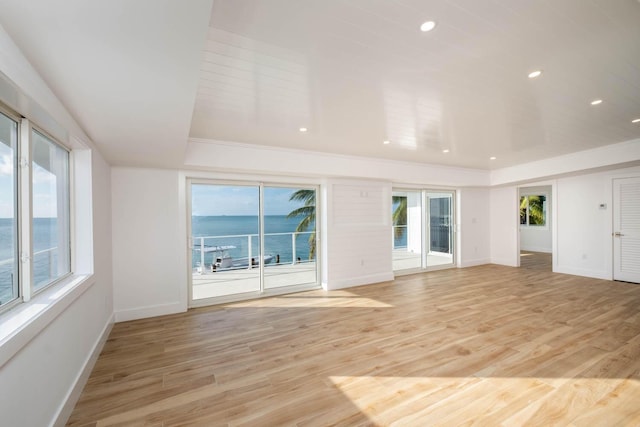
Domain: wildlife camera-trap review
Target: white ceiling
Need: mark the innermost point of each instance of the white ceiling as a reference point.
(136, 73)
(127, 70)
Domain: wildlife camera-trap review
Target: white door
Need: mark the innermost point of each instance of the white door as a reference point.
(626, 229)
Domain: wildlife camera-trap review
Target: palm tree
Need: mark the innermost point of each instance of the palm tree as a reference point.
(536, 210)
(308, 214)
(535, 206)
(399, 215)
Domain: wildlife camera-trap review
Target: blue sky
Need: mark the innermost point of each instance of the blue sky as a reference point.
(215, 200)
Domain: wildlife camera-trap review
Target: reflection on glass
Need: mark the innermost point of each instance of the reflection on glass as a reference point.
(8, 217)
(225, 230)
(290, 236)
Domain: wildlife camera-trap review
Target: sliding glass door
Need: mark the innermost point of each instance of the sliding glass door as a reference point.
(225, 230)
(440, 220)
(290, 236)
(423, 235)
(247, 240)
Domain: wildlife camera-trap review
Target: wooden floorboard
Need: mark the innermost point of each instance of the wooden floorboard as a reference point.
(487, 345)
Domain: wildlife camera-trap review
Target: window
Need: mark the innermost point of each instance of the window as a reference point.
(34, 211)
(8, 210)
(533, 210)
(50, 219)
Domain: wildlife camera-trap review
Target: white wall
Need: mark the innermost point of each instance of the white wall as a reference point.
(584, 241)
(39, 383)
(149, 243)
(504, 226)
(44, 378)
(357, 247)
(473, 227)
(538, 238)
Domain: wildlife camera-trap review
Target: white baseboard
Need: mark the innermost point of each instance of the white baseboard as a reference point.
(545, 250)
(474, 262)
(504, 261)
(358, 281)
(81, 380)
(149, 311)
(596, 274)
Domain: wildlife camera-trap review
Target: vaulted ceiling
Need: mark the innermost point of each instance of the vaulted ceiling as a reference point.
(144, 76)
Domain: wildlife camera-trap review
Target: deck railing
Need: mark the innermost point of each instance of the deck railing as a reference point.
(6, 281)
(200, 243)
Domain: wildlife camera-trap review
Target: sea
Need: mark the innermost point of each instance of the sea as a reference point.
(240, 231)
(228, 230)
(44, 237)
(233, 230)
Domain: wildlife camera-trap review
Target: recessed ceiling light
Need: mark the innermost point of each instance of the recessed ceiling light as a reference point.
(635, 121)
(386, 142)
(492, 158)
(534, 74)
(303, 129)
(596, 102)
(427, 26)
(445, 150)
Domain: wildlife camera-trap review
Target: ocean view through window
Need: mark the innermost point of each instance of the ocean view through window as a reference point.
(35, 248)
(251, 238)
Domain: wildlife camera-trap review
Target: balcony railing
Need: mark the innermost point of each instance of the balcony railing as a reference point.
(285, 249)
(43, 264)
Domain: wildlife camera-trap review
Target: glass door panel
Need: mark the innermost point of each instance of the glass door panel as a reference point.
(440, 229)
(225, 230)
(407, 229)
(289, 237)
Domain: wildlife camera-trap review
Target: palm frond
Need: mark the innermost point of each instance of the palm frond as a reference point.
(399, 216)
(308, 214)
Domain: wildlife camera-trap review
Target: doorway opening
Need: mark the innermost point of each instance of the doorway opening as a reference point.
(536, 236)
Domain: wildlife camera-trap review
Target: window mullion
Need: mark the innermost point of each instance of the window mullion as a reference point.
(25, 246)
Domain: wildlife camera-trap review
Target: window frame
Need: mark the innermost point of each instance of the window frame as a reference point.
(69, 220)
(24, 209)
(12, 115)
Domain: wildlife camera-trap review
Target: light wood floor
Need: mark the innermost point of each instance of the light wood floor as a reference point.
(487, 345)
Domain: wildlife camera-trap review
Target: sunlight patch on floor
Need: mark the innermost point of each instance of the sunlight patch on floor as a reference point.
(315, 299)
(504, 401)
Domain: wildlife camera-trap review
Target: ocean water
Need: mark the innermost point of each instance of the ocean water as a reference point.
(44, 237)
(216, 230)
(233, 230)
